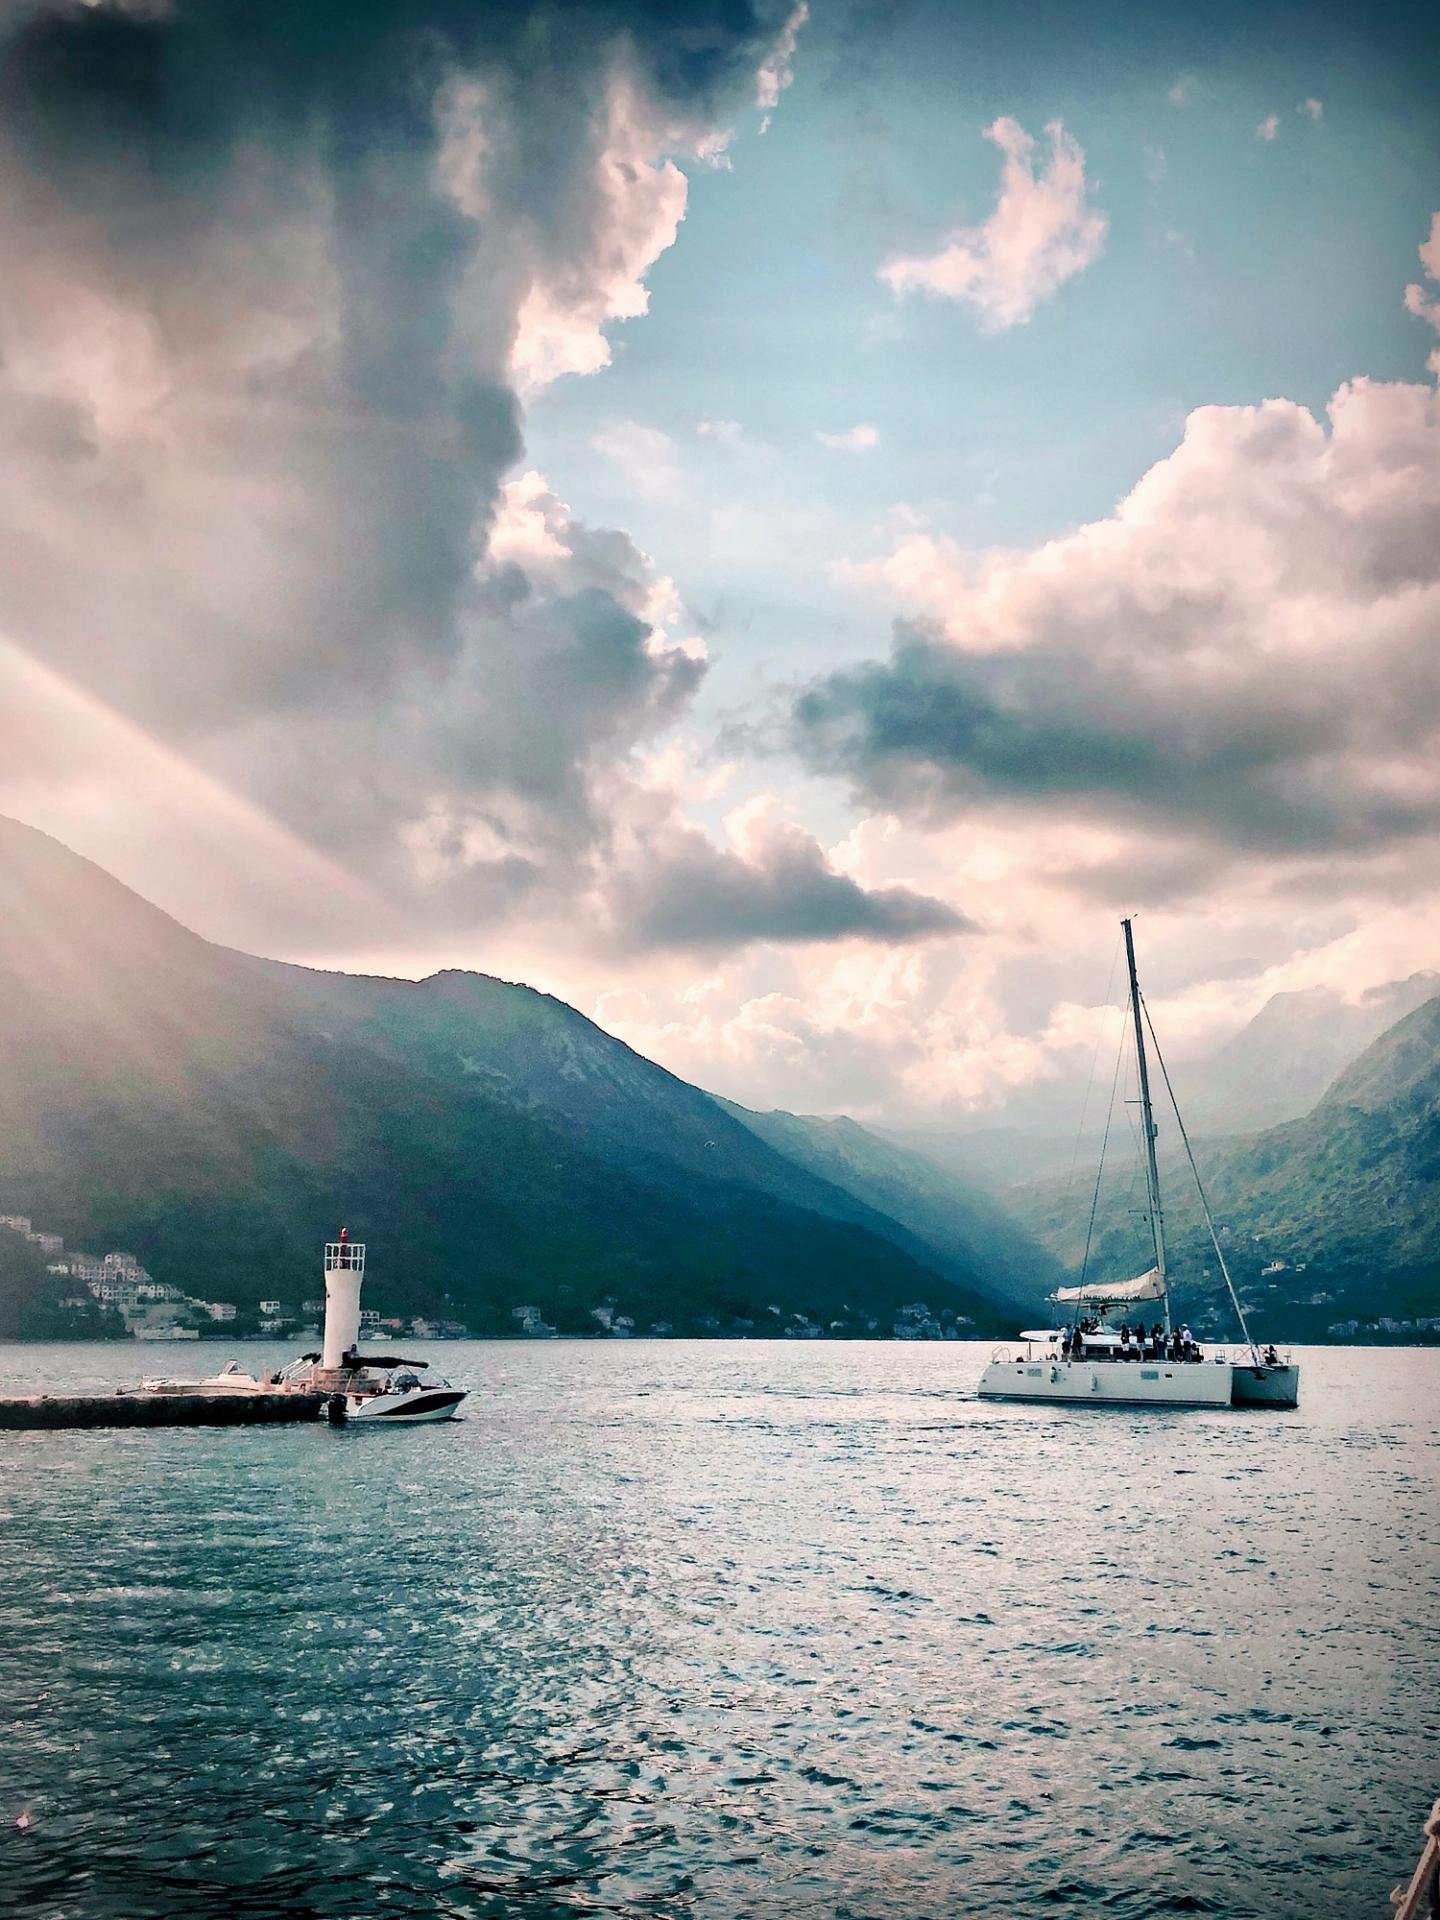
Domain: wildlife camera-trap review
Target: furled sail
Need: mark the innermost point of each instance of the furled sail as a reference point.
(1145, 1286)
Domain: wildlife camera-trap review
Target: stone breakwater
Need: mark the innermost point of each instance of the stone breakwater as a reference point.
(53, 1412)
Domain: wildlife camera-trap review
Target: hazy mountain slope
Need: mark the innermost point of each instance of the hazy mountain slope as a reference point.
(1401, 1069)
(951, 1220)
(992, 1158)
(1357, 1181)
(219, 1115)
(1279, 1065)
(1347, 1198)
(1274, 1069)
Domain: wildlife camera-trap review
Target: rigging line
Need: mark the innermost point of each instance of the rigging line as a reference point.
(1200, 1189)
(1137, 1162)
(1094, 1062)
(1100, 1170)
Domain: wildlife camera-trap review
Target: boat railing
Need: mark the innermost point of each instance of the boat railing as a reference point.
(1219, 1356)
(1420, 1898)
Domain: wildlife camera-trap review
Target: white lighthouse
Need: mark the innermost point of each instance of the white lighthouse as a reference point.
(344, 1277)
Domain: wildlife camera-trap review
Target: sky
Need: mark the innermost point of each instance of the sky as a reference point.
(775, 523)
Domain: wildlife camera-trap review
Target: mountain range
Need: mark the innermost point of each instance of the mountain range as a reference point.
(1326, 1220)
(219, 1115)
(1280, 1063)
(1275, 1068)
(509, 1163)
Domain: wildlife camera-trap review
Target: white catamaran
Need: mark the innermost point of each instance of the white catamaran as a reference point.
(1090, 1362)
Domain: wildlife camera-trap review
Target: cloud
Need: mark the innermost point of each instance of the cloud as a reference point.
(1041, 234)
(778, 70)
(725, 433)
(1312, 107)
(1181, 94)
(272, 300)
(772, 882)
(1268, 127)
(640, 202)
(646, 455)
(1242, 654)
(857, 439)
(1415, 298)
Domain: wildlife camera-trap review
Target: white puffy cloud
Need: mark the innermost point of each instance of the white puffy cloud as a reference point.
(725, 433)
(1042, 232)
(1416, 300)
(640, 202)
(772, 881)
(1312, 108)
(857, 439)
(1268, 128)
(1244, 651)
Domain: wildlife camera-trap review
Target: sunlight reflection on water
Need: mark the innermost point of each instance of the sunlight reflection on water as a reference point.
(724, 1629)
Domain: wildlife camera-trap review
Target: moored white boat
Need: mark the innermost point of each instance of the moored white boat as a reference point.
(1091, 1362)
(402, 1398)
(375, 1388)
(231, 1378)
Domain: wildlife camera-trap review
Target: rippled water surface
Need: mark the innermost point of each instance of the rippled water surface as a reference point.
(723, 1629)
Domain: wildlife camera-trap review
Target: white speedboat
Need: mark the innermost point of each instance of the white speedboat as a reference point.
(232, 1378)
(376, 1388)
(1090, 1361)
(381, 1388)
(348, 1385)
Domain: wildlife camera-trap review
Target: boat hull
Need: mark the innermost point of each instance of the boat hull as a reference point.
(1262, 1386)
(1108, 1383)
(414, 1409)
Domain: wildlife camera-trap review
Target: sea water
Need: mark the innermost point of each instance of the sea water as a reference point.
(722, 1629)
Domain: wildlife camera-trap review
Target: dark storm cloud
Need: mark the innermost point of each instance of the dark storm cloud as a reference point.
(273, 274)
(214, 166)
(692, 895)
(936, 728)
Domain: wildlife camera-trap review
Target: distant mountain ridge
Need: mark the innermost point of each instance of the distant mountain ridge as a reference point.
(219, 1115)
(947, 1215)
(1281, 1062)
(1274, 1069)
(1328, 1221)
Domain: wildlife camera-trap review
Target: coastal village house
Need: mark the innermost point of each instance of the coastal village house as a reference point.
(148, 1306)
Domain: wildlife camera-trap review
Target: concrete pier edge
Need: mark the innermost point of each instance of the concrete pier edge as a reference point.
(70, 1411)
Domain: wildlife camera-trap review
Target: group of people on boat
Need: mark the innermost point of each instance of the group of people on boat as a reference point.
(1077, 1343)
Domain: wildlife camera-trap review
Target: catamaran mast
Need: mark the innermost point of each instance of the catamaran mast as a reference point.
(1152, 1170)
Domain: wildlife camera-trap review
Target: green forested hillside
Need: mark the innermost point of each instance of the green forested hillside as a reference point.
(221, 1115)
(1347, 1199)
(30, 1298)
